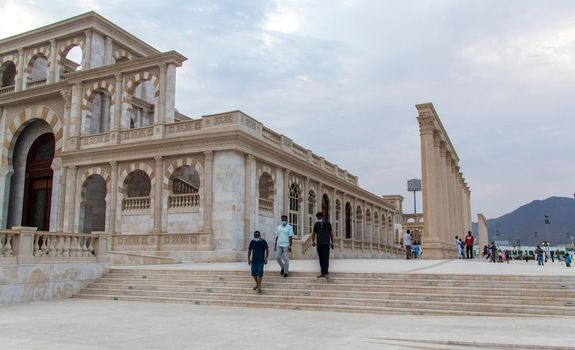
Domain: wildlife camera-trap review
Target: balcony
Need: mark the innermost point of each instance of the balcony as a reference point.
(36, 83)
(7, 89)
(135, 204)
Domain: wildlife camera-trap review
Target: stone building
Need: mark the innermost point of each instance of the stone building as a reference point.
(96, 145)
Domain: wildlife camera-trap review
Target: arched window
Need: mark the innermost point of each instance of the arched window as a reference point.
(358, 223)
(266, 193)
(98, 121)
(143, 105)
(337, 217)
(325, 206)
(185, 185)
(38, 68)
(293, 215)
(8, 74)
(137, 188)
(93, 205)
(311, 200)
(348, 221)
(71, 60)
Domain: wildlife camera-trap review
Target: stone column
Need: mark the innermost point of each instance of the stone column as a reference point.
(158, 194)
(447, 234)
(5, 181)
(306, 228)
(87, 50)
(170, 93)
(463, 210)
(483, 232)
(76, 120)
(117, 125)
(53, 62)
(286, 174)
(208, 193)
(431, 197)
(61, 200)
(71, 204)
(342, 221)
(108, 51)
(67, 96)
(21, 66)
(318, 198)
(249, 160)
(353, 223)
(439, 166)
(113, 205)
(332, 208)
(162, 98)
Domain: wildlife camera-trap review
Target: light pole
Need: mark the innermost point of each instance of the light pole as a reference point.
(547, 222)
(414, 185)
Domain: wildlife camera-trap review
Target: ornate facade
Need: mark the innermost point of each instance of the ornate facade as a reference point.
(97, 145)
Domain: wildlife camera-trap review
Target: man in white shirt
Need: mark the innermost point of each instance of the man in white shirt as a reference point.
(282, 247)
(407, 244)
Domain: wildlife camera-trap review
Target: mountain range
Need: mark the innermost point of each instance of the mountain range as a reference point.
(527, 223)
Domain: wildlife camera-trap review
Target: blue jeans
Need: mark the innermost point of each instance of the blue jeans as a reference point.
(540, 260)
(258, 269)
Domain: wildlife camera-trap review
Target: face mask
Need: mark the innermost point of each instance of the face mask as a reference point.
(256, 239)
(319, 220)
(284, 222)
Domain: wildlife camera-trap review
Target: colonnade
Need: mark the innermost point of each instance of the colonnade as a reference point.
(446, 195)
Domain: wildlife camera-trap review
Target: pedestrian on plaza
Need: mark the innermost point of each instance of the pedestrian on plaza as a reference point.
(552, 253)
(323, 235)
(282, 246)
(407, 244)
(539, 255)
(485, 252)
(469, 245)
(459, 247)
(417, 249)
(258, 252)
(558, 255)
(493, 252)
(507, 255)
(567, 260)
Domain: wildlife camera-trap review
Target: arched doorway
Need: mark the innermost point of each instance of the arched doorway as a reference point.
(347, 220)
(38, 183)
(325, 206)
(93, 205)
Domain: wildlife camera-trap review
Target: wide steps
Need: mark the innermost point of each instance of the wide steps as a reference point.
(346, 292)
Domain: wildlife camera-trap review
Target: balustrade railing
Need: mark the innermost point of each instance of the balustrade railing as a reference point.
(136, 203)
(26, 245)
(266, 205)
(186, 200)
(36, 83)
(7, 89)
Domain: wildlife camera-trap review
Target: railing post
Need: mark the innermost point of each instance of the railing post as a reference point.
(101, 247)
(24, 244)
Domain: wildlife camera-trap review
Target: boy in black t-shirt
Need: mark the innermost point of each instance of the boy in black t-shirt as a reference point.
(257, 257)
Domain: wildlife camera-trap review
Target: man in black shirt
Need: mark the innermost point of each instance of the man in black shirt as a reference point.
(257, 257)
(323, 235)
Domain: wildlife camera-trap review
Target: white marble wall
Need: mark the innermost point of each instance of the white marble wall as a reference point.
(228, 204)
(98, 50)
(185, 222)
(137, 223)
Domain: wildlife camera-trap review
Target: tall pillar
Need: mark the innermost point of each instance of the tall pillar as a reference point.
(162, 97)
(353, 223)
(286, 174)
(108, 54)
(208, 194)
(76, 120)
(439, 166)
(305, 194)
(72, 179)
(6, 173)
(158, 194)
(61, 200)
(112, 207)
(249, 160)
(117, 125)
(431, 197)
(53, 62)
(87, 50)
(318, 198)
(483, 232)
(21, 66)
(67, 96)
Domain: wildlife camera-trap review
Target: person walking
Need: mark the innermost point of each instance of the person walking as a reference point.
(567, 260)
(323, 236)
(493, 252)
(407, 244)
(282, 246)
(258, 252)
(539, 254)
(469, 245)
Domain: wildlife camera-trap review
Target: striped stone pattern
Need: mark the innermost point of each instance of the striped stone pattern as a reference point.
(96, 171)
(66, 45)
(178, 163)
(8, 58)
(121, 53)
(137, 165)
(43, 51)
(17, 124)
(134, 80)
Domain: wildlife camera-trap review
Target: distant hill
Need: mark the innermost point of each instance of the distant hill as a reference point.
(523, 222)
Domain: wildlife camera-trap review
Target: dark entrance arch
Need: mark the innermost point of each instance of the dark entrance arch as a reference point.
(325, 206)
(347, 220)
(38, 183)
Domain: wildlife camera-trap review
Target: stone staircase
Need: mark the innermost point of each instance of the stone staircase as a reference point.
(430, 294)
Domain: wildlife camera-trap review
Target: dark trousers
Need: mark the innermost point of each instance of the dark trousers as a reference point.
(469, 251)
(323, 254)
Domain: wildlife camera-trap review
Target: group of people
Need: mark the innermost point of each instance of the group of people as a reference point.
(465, 248)
(412, 248)
(541, 257)
(496, 255)
(258, 250)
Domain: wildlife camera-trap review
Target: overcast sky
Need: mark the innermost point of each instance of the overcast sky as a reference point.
(342, 78)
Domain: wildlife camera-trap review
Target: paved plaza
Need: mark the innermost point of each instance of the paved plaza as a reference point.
(77, 324)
